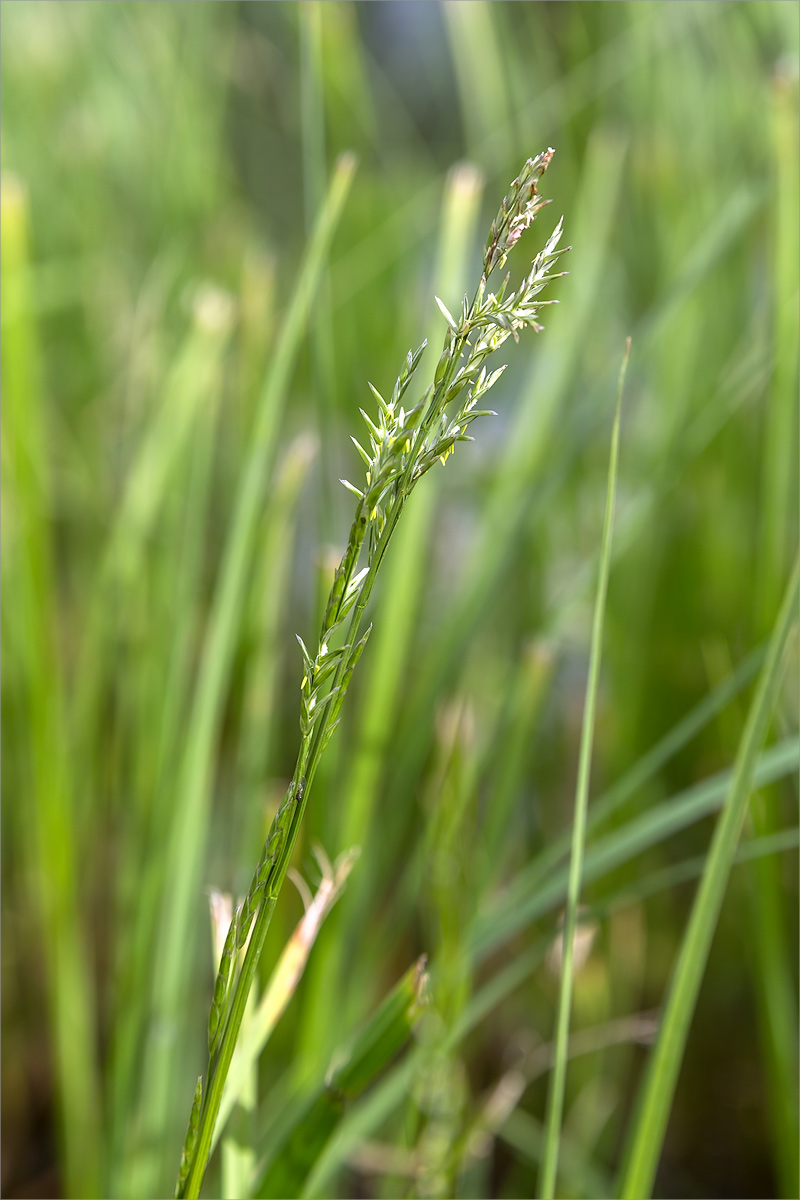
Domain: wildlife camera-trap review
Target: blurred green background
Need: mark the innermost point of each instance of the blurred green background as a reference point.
(162, 168)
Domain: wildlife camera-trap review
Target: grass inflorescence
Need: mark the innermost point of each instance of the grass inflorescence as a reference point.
(404, 443)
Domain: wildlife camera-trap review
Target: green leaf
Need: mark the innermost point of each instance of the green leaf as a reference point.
(370, 1053)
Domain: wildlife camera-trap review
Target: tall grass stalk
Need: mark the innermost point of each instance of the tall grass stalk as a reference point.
(772, 950)
(403, 446)
(555, 1100)
(262, 640)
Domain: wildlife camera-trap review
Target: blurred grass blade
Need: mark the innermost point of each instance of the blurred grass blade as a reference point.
(776, 995)
(186, 389)
(359, 1123)
(778, 501)
(507, 979)
(650, 1121)
(187, 843)
(555, 1100)
(156, 720)
(481, 77)
(311, 27)
(371, 1052)
(30, 613)
(668, 747)
(529, 688)
(189, 390)
(753, 850)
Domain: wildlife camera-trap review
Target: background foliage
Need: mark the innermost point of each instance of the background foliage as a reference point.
(162, 167)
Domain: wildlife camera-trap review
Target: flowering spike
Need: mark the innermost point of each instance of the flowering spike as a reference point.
(517, 211)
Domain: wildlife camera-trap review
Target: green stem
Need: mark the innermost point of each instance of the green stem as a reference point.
(555, 1104)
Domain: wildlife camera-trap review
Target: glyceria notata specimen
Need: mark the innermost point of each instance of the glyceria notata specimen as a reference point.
(402, 444)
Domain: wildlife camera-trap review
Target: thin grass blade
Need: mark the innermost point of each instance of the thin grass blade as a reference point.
(555, 1100)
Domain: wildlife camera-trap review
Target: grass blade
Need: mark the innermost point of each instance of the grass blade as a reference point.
(524, 1134)
(773, 953)
(775, 993)
(650, 1122)
(555, 1101)
(156, 719)
(49, 845)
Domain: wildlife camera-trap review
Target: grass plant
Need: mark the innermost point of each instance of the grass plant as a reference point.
(196, 285)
